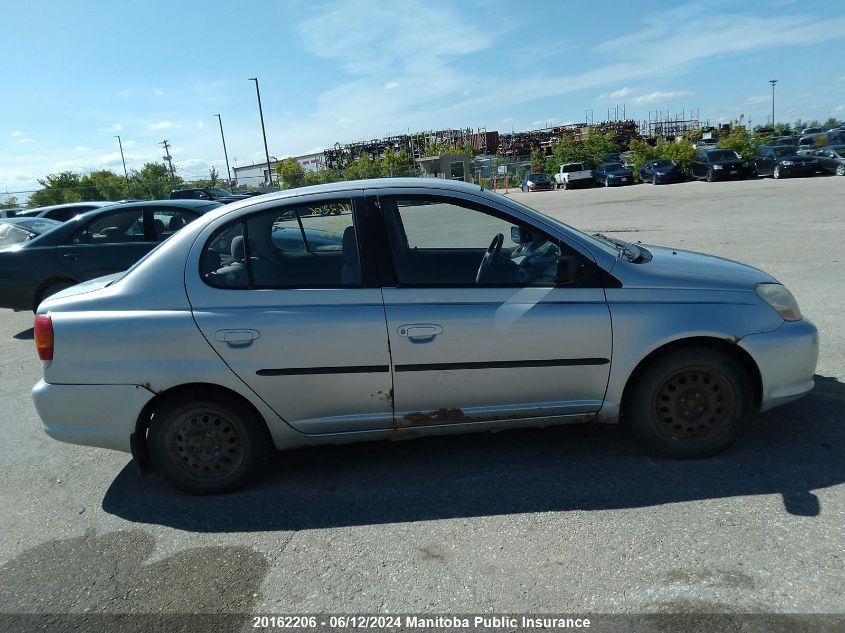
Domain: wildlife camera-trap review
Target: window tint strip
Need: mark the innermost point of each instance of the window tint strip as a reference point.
(307, 371)
(506, 364)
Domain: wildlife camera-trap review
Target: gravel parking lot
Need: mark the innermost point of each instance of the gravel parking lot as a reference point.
(570, 520)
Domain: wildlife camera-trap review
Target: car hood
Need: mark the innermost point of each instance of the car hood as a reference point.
(618, 172)
(663, 171)
(798, 158)
(688, 269)
(729, 162)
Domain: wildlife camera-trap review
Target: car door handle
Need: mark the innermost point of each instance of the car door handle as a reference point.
(237, 337)
(71, 256)
(420, 331)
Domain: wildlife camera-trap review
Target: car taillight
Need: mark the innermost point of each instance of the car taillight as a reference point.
(43, 331)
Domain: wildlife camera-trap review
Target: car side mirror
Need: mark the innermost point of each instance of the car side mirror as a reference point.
(569, 269)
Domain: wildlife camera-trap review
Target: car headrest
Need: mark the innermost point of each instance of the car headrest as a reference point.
(237, 248)
(350, 246)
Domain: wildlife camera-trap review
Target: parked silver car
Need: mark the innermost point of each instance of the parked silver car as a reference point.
(416, 307)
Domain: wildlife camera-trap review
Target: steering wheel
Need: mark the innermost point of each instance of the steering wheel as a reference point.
(492, 254)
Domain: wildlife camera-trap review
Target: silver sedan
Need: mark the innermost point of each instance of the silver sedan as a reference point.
(398, 308)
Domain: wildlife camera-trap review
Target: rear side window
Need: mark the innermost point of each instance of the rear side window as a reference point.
(113, 228)
(167, 221)
(313, 246)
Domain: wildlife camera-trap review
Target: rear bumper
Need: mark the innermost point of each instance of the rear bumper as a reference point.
(91, 415)
(786, 359)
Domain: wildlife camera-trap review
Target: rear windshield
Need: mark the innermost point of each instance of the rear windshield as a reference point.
(538, 178)
(573, 167)
(663, 163)
(785, 150)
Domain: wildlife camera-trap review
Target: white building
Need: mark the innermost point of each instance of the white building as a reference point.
(256, 173)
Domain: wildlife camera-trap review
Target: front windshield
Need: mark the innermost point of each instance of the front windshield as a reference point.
(603, 244)
(722, 154)
(220, 192)
(613, 166)
(786, 150)
(538, 178)
(663, 163)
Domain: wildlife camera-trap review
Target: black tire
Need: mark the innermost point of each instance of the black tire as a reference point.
(840, 170)
(565, 185)
(709, 175)
(206, 443)
(49, 291)
(690, 403)
(776, 173)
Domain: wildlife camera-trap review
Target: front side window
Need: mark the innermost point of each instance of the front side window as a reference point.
(446, 242)
(113, 228)
(306, 246)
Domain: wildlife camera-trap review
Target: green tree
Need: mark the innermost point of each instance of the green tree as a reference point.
(57, 189)
(364, 167)
(682, 152)
(213, 177)
(321, 177)
(639, 152)
(290, 173)
(739, 139)
(103, 184)
(152, 182)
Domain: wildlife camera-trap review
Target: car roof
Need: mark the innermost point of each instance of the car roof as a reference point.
(27, 220)
(65, 205)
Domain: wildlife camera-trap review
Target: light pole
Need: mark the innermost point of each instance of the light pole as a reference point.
(225, 153)
(123, 160)
(263, 132)
(773, 82)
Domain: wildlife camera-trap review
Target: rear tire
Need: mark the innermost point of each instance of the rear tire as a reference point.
(690, 403)
(206, 443)
(50, 291)
(840, 170)
(710, 176)
(776, 172)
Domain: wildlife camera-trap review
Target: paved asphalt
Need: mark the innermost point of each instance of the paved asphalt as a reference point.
(570, 520)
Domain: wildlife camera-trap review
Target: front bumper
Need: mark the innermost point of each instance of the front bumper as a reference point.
(786, 359)
(668, 178)
(799, 170)
(91, 415)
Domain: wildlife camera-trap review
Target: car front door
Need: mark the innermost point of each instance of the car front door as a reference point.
(284, 297)
(481, 331)
(107, 244)
(765, 162)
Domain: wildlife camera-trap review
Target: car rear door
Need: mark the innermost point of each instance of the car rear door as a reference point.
(287, 297)
(467, 349)
(109, 243)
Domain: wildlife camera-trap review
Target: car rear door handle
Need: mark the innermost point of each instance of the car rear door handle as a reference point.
(420, 331)
(71, 256)
(237, 337)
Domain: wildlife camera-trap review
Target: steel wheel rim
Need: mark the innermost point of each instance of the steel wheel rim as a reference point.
(693, 405)
(207, 444)
(840, 170)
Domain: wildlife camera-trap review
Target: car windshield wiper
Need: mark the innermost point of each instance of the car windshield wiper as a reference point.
(632, 253)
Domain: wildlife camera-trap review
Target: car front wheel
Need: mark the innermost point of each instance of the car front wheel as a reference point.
(840, 170)
(710, 176)
(776, 172)
(206, 443)
(690, 403)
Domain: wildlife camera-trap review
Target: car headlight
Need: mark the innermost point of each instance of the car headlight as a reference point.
(717, 167)
(786, 162)
(781, 300)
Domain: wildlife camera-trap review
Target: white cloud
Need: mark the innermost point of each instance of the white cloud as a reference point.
(23, 140)
(80, 148)
(616, 94)
(390, 85)
(757, 99)
(839, 108)
(200, 125)
(115, 127)
(17, 134)
(163, 125)
(654, 97)
(158, 92)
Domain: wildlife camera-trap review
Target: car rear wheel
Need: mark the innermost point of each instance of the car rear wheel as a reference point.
(710, 176)
(208, 444)
(840, 170)
(56, 288)
(691, 403)
(776, 172)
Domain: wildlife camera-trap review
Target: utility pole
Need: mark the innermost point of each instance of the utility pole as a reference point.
(773, 82)
(225, 154)
(123, 160)
(263, 132)
(168, 158)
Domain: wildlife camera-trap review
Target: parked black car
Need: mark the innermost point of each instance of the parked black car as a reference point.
(91, 245)
(613, 174)
(64, 212)
(719, 164)
(784, 160)
(832, 159)
(661, 171)
(537, 182)
(208, 193)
